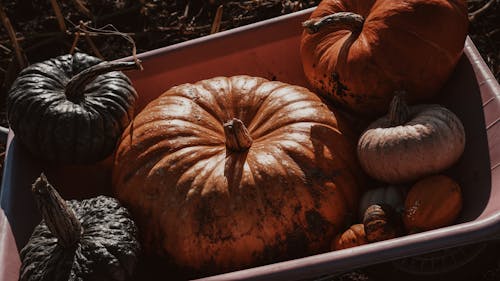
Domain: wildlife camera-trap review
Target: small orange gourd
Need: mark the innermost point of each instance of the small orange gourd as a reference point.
(431, 203)
(352, 237)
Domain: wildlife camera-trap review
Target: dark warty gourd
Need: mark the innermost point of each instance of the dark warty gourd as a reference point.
(92, 239)
(71, 109)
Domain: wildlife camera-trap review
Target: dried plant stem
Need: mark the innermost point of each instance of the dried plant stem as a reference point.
(186, 10)
(21, 59)
(493, 33)
(75, 41)
(56, 213)
(474, 15)
(59, 15)
(94, 48)
(7, 50)
(82, 9)
(79, 81)
(217, 20)
(108, 29)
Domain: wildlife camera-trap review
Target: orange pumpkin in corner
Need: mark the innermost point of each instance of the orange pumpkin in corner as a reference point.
(357, 53)
(354, 236)
(432, 202)
(233, 172)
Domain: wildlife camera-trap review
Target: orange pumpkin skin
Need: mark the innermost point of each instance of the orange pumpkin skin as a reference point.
(352, 237)
(432, 202)
(409, 45)
(211, 208)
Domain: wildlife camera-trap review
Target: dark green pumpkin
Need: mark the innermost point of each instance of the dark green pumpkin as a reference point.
(382, 222)
(92, 239)
(71, 109)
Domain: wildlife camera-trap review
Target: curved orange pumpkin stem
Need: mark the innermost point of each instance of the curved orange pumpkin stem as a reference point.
(237, 136)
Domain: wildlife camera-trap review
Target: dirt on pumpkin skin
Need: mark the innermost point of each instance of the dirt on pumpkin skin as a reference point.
(153, 24)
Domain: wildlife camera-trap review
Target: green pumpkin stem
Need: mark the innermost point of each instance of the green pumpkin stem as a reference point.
(340, 20)
(399, 112)
(75, 87)
(237, 136)
(57, 215)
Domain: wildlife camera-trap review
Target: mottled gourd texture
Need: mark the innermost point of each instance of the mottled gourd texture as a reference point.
(69, 121)
(376, 47)
(215, 194)
(107, 250)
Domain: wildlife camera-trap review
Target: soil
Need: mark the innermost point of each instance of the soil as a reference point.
(104, 28)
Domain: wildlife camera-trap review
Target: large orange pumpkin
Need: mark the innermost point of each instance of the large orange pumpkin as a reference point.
(231, 172)
(358, 52)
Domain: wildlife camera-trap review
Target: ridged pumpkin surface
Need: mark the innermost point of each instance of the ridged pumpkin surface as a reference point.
(410, 45)
(211, 208)
(432, 140)
(71, 109)
(432, 202)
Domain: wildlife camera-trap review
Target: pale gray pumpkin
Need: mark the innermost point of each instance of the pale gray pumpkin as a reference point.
(411, 142)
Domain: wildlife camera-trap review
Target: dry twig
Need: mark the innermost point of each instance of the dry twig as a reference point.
(81, 7)
(186, 10)
(75, 41)
(474, 15)
(5, 49)
(21, 59)
(87, 31)
(492, 33)
(59, 15)
(94, 48)
(217, 20)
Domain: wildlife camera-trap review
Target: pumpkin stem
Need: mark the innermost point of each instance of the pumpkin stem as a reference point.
(58, 216)
(340, 20)
(237, 136)
(74, 88)
(398, 109)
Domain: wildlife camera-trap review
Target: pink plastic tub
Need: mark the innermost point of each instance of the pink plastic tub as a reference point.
(271, 49)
